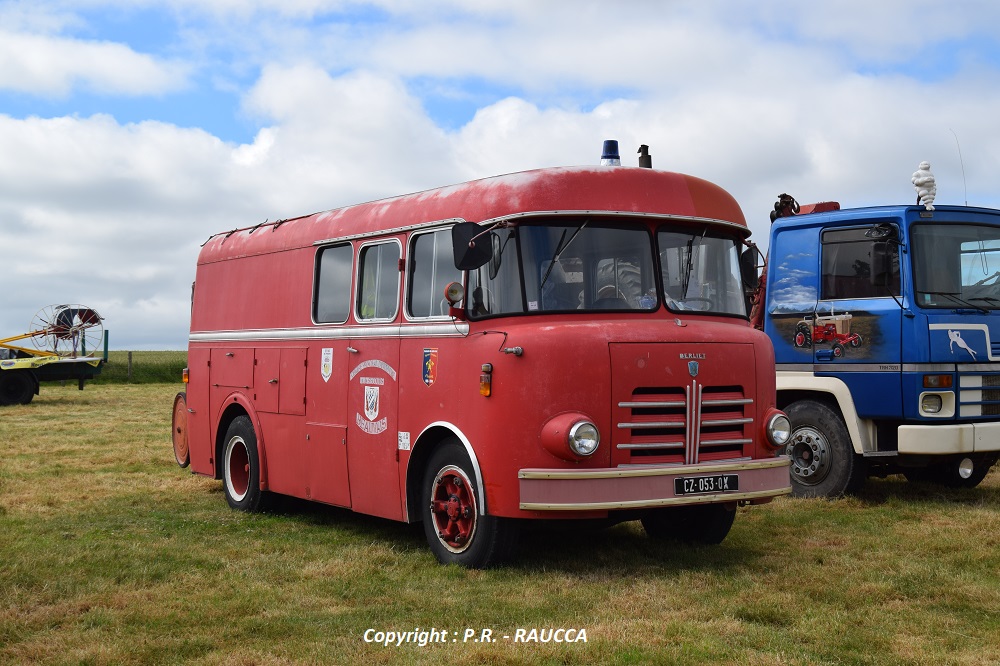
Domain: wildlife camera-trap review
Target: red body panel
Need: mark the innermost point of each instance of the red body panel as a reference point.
(341, 410)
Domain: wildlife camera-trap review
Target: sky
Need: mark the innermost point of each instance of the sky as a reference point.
(132, 130)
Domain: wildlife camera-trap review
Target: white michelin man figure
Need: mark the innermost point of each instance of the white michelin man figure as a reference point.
(923, 183)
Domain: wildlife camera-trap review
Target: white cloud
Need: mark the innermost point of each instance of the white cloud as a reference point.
(54, 66)
(761, 99)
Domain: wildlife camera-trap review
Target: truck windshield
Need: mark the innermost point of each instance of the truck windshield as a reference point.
(956, 265)
(588, 264)
(701, 271)
(579, 265)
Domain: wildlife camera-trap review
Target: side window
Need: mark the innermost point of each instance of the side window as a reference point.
(378, 282)
(849, 269)
(332, 291)
(432, 267)
(496, 287)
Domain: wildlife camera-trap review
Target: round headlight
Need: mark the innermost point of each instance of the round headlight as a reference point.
(930, 403)
(779, 429)
(454, 292)
(583, 438)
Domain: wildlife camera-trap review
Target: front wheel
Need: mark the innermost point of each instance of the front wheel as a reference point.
(241, 467)
(823, 460)
(456, 530)
(702, 524)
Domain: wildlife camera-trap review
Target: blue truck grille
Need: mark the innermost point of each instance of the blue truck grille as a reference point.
(979, 395)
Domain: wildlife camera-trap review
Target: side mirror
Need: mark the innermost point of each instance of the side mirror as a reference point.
(471, 245)
(748, 267)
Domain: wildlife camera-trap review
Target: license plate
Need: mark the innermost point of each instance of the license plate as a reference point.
(717, 483)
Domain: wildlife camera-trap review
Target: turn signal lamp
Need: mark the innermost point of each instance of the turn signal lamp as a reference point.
(937, 381)
(486, 380)
(185, 376)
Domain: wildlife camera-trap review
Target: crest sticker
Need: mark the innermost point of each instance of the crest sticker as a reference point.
(369, 376)
(430, 366)
(371, 402)
(326, 364)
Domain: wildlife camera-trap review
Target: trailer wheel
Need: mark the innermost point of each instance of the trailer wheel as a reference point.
(823, 460)
(838, 350)
(455, 529)
(16, 387)
(241, 467)
(182, 453)
(703, 523)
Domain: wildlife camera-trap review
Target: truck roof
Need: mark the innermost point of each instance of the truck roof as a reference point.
(560, 189)
(874, 212)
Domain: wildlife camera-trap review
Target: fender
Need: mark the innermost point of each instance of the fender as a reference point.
(806, 382)
(241, 400)
(455, 430)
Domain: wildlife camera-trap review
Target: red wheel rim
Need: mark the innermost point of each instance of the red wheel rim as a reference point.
(238, 468)
(181, 452)
(453, 509)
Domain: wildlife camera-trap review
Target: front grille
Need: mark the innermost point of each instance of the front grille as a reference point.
(979, 395)
(685, 425)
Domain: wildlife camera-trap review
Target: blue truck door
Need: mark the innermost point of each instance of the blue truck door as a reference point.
(857, 328)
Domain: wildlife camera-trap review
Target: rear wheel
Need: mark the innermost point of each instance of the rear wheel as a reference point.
(456, 529)
(241, 467)
(823, 460)
(16, 387)
(179, 430)
(703, 523)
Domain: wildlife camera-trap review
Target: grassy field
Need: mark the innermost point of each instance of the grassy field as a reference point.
(111, 554)
(148, 367)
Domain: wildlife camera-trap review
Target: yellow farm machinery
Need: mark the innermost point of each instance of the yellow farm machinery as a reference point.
(67, 342)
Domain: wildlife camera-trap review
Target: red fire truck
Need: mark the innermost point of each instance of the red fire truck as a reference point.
(559, 343)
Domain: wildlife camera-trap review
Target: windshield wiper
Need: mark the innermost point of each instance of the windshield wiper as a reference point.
(560, 248)
(958, 300)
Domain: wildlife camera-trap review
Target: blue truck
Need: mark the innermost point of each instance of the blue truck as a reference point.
(886, 330)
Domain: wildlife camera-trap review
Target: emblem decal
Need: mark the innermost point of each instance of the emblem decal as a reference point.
(693, 368)
(371, 402)
(955, 338)
(430, 366)
(371, 398)
(326, 364)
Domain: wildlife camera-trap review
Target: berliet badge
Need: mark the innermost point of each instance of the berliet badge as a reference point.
(693, 368)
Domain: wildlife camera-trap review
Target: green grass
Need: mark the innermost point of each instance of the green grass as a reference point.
(111, 554)
(148, 367)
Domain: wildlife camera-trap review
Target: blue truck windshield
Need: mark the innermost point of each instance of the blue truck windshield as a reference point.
(956, 265)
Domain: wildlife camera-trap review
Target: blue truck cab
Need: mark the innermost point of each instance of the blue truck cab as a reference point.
(886, 330)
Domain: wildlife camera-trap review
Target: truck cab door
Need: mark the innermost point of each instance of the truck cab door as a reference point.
(857, 327)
